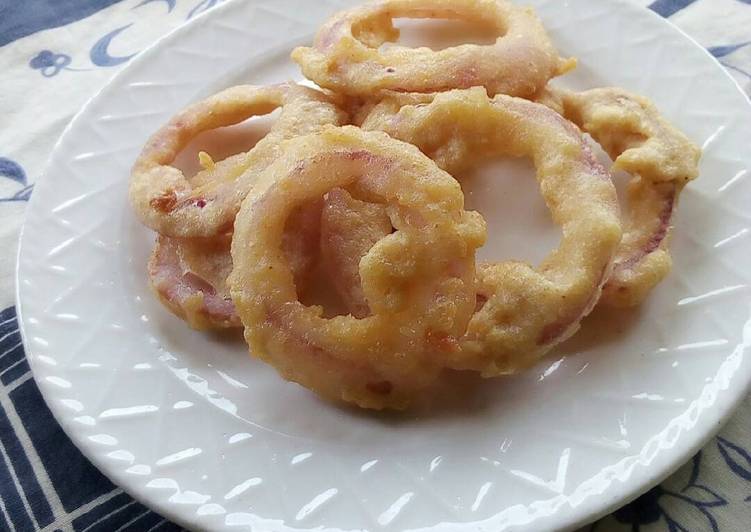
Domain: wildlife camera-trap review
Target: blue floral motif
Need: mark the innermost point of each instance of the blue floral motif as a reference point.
(13, 171)
(651, 508)
(643, 511)
(737, 458)
(49, 63)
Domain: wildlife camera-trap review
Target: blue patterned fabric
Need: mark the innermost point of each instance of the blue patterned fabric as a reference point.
(19, 19)
(669, 7)
(45, 482)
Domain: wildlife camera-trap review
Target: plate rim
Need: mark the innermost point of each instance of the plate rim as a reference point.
(639, 481)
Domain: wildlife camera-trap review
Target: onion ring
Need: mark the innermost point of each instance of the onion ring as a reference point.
(189, 278)
(189, 275)
(349, 228)
(166, 201)
(418, 281)
(522, 311)
(346, 57)
(661, 159)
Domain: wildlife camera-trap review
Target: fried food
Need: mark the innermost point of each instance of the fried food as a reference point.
(522, 311)
(168, 202)
(661, 159)
(372, 213)
(189, 275)
(419, 281)
(349, 228)
(347, 56)
(189, 278)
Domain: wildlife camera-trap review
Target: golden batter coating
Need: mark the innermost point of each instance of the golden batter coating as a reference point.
(522, 311)
(349, 228)
(419, 281)
(189, 275)
(661, 159)
(168, 202)
(346, 56)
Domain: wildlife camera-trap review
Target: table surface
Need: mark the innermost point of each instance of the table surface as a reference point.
(54, 56)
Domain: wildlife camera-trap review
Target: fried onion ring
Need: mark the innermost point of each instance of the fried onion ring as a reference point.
(346, 56)
(349, 228)
(661, 160)
(418, 281)
(189, 275)
(522, 311)
(189, 278)
(166, 201)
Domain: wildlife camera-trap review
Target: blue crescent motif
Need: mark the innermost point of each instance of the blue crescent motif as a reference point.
(99, 54)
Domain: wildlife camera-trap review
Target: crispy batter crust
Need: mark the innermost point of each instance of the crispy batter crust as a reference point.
(419, 281)
(346, 56)
(661, 160)
(168, 202)
(522, 311)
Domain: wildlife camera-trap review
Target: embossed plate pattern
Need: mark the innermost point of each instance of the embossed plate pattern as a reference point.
(190, 425)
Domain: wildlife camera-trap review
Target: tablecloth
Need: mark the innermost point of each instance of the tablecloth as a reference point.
(54, 55)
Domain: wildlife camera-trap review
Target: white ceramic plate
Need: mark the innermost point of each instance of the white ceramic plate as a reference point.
(191, 426)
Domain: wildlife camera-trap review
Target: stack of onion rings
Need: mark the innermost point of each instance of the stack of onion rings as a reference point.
(524, 311)
(419, 280)
(346, 55)
(376, 210)
(165, 200)
(191, 259)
